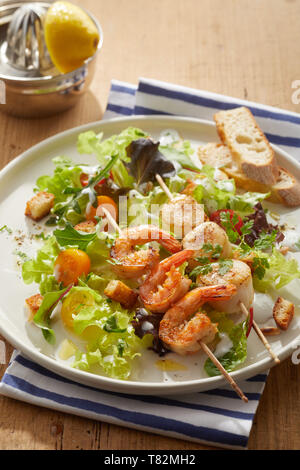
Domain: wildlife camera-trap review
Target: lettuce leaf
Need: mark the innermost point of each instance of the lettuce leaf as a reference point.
(180, 152)
(40, 269)
(222, 194)
(238, 352)
(91, 143)
(42, 316)
(281, 271)
(66, 175)
(71, 237)
(111, 341)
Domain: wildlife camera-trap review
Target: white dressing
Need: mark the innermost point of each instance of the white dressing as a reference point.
(262, 307)
(223, 346)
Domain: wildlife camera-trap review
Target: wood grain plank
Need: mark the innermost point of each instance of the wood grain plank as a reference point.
(244, 48)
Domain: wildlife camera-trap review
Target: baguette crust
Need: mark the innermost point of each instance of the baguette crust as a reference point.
(248, 145)
(286, 190)
(243, 182)
(283, 313)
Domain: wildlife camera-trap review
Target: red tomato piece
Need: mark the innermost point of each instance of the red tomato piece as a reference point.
(216, 217)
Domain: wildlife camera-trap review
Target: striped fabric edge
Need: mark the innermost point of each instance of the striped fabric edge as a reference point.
(27, 381)
(121, 100)
(155, 97)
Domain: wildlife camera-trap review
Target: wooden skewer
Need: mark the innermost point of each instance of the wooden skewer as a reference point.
(261, 335)
(227, 376)
(111, 220)
(163, 186)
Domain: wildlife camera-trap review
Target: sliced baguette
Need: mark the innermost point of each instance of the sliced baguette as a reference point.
(243, 182)
(214, 154)
(286, 189)
(248, 145)
(219, 156)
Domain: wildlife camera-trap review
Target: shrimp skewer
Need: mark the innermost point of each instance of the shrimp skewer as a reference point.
(165, 284)
(185, 334)
(202, 345)
(240, 276)
(133, 264)
(181, 329)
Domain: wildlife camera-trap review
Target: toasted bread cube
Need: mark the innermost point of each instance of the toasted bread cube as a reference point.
(118, 291)
(33, 303)
(88, 226)
(283, 312)
(40, 205)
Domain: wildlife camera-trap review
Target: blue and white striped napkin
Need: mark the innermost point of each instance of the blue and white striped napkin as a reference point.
(216, 417)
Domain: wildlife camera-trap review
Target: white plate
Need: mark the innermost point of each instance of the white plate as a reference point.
(16, 183)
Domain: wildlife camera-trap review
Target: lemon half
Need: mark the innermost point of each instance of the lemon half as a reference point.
(71, 36)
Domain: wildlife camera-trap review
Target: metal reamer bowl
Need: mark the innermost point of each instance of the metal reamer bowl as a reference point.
(23, 93)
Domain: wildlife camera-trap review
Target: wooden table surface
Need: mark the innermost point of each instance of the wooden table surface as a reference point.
(243, 48)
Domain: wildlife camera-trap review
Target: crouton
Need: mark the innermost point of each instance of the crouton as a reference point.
(283, 312)
(33, 304)
(40, 205)
(118, 291)
(248, 145)
(88, 226)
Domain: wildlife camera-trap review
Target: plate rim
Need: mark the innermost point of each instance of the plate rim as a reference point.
(125, 386)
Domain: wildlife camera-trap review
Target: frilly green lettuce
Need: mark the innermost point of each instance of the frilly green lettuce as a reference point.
(222, 194)
(91, 143)
(40, 269)
(112, 343)
(282, 270)
(66, 175)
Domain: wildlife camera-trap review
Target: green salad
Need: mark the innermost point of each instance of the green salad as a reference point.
(118, 293)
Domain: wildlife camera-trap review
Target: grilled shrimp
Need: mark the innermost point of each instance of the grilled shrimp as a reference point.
(133, 264)
(181, 214)
(165, 284)
(240, 276)
(207, 233)
(181, 330)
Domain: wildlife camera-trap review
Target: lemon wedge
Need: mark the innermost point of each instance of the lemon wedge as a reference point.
(71, 36)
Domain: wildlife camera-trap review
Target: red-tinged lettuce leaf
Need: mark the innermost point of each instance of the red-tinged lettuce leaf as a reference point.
(146, 161)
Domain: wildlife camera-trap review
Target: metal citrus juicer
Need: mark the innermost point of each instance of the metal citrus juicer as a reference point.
(30, 85)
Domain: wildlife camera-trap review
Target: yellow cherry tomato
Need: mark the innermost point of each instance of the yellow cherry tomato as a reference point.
(102, 201)
(72, 305)
(70, 265)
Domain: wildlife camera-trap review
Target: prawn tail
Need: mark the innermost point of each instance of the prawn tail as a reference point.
(168, 241)
(217, 292)
(176, 260)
